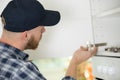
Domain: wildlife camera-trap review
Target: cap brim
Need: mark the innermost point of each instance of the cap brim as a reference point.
(51, 18)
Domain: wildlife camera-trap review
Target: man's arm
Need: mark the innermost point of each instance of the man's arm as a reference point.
(79, 56)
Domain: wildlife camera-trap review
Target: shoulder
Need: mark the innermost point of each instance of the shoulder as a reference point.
(27, 71)
(17, 69)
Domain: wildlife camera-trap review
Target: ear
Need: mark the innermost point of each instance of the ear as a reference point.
(24, 35)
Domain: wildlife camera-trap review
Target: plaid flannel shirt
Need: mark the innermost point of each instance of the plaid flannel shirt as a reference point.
(14, 65)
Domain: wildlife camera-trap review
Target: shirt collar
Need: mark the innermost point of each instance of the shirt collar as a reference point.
(18, 54)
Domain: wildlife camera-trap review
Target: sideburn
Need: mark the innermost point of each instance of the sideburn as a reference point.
(32, 44)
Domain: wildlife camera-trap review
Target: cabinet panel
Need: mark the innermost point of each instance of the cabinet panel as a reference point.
(100, 6)
(106, 68)
(106, 22)
(106, 27)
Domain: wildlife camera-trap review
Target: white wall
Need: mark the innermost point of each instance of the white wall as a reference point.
(73, 30)
(3, 4)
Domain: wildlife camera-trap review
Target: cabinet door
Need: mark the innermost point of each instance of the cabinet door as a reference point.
(106, 25)
(100, 6)
(106, 68)
(106, 22)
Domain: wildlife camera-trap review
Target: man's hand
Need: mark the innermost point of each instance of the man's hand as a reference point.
(79, 56)
(83, 54)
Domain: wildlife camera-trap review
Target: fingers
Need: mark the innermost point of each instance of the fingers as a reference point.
(83, 48)
(93, 51)
(83, 54)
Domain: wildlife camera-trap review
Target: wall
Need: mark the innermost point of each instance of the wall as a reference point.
(3, 4)
(73, 30)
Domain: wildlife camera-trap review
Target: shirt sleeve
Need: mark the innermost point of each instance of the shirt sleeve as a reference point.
(28, 72)
(68, 78)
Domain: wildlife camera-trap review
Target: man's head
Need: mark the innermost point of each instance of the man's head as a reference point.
(28, 17)
(33, 39)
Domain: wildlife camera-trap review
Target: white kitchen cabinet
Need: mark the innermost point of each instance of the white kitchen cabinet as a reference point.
(106, 26)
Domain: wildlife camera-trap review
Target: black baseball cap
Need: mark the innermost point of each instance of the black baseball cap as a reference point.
(23, 15)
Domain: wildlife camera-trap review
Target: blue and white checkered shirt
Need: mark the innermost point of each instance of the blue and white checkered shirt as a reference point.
(14, 65)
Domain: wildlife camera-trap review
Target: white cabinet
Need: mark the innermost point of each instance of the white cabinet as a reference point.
(106, 68)
(106, 27)
(105, 7)
(106, 22)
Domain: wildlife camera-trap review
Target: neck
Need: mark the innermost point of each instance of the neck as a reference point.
(14, 43)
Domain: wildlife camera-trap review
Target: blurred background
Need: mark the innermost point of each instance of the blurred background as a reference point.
(82, 21)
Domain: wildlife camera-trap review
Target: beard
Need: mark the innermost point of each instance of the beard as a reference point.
(32, 43)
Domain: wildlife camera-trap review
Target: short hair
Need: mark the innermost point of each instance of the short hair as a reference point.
(3, 20)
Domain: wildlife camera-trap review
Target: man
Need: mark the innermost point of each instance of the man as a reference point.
(24, 22)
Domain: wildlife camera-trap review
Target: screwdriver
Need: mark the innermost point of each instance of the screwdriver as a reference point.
(89, 45)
